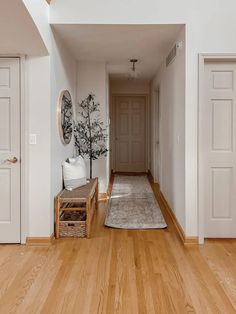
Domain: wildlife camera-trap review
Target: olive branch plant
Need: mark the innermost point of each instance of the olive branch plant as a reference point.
(89, 131)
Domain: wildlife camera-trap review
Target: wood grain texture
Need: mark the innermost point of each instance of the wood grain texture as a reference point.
(178, 227)
(102, 197)
(185, 239)
(119, 271)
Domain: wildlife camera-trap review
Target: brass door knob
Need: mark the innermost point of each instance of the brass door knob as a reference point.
(13, 160)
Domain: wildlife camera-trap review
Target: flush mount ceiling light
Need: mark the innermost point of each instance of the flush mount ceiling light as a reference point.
(134, 73)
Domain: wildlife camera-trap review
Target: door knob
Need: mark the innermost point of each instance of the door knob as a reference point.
(13, 160)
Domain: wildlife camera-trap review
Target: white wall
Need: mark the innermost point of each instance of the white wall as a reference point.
(108, 162)
(171, 84)
(37, 96)
(39, 11)
(46, 77)
(92, 77)
(210, 28)
(148, 12)
(154, 130)
(18, 33)
(63, 76)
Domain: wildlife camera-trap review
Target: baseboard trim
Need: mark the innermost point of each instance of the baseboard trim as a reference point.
(185, 239)
(191, 240)
(150, 176)
(111, 181)
(104, 197)
(41, 241)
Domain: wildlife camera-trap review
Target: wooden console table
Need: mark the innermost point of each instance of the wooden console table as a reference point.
(82, 198)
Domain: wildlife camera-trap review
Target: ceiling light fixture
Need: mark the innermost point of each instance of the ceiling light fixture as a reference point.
(133, 73)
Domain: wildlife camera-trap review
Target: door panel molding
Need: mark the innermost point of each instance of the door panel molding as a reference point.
(203, 59)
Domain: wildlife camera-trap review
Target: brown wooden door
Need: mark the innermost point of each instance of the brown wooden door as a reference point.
(130, 134)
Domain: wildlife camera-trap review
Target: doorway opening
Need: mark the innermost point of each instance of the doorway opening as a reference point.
(162, 81)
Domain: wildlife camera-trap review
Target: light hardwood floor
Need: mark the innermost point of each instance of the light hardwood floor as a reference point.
(119, 271)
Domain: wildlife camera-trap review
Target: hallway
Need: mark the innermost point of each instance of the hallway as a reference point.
(119, 271)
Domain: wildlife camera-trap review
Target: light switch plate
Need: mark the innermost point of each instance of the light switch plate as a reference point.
(33, 139)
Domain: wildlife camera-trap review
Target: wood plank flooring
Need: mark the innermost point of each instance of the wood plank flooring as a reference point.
(119, 271)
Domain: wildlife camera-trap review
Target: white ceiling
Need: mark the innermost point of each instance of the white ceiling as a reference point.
(18, 33)
(117, 44)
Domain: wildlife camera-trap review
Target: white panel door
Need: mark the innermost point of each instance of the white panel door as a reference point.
(9, 150)
(217, 176)
(130, 134)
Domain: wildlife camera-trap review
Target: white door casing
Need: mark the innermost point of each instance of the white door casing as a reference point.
(217, 150)
(130, 133)
(157, 155)
(10, 216)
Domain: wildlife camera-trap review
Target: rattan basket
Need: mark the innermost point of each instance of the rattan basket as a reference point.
(73, 224)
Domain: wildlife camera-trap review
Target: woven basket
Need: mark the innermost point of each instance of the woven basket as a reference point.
(73, 224)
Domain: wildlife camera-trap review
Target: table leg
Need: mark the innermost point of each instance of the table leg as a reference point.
(57, 207)
(88, 217)
(96, 196)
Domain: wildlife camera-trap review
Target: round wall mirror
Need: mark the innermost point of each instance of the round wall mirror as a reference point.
(65, 117)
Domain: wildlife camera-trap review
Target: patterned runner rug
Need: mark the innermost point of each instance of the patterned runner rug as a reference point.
(133, 205)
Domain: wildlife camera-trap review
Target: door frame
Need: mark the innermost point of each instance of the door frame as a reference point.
(157, 159)
(112, 127)
(202, 59)
(24, 149)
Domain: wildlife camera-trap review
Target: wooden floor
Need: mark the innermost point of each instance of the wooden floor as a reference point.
(119, 271)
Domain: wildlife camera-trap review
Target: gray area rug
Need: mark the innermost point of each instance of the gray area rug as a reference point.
(133, 205)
